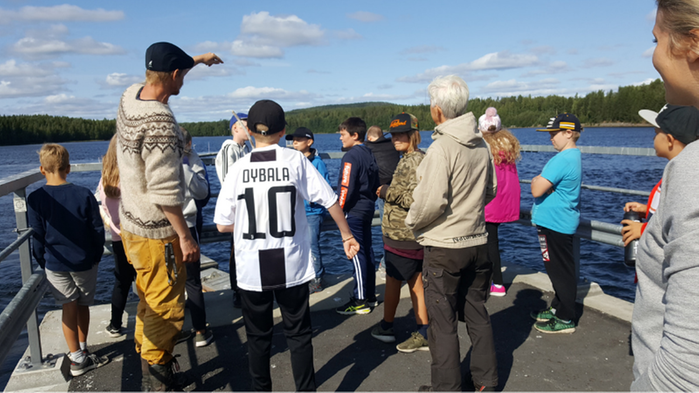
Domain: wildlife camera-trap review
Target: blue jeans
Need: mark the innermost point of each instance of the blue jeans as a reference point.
(314, 223)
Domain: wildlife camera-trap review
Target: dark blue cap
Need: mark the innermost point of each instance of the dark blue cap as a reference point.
(166, 57)
(301, 132)
(241, 116)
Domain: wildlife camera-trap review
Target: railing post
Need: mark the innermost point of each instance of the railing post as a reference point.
(25, 260)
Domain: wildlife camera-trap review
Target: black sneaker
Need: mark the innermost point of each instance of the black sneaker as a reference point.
(425, 388)
(372, 302)
(83, 367)
(354, 306)
(203, 339)
(113, 331)
(184, 336)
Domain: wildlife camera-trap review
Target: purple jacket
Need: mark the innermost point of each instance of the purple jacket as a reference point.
(505, 206)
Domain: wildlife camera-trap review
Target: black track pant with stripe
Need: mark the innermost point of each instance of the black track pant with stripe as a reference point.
(363, 262)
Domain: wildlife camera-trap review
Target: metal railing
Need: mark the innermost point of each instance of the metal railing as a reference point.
(21, 311)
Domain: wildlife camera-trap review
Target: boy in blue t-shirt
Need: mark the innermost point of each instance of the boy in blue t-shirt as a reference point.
(556, 214)
(68, 242)
(303, 140)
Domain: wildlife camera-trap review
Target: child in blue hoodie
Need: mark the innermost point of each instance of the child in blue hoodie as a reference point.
(315, 213)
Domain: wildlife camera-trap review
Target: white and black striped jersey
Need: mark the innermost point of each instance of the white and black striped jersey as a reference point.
(263, 197)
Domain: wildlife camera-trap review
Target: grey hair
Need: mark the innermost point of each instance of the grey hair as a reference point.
(449, 93)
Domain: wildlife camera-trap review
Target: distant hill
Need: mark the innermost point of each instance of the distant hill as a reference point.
(595, 108)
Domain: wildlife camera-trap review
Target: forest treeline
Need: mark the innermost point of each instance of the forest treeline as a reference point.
(595, 108)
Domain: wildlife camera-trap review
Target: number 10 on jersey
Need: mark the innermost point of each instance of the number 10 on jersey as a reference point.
(276, 211)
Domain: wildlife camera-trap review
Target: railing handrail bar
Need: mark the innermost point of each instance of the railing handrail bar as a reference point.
(16, 314)
(615, 190)
(15, 244)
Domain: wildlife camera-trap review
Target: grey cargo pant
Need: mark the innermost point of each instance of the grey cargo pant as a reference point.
(456, 287)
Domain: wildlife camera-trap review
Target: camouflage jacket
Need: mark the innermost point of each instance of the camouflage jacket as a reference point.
(399, 197)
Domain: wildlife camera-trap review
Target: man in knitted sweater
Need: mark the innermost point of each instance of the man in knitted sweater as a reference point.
(154, 233)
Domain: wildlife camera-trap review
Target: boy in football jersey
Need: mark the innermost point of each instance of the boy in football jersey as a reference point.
(358, 181)
(261, 202)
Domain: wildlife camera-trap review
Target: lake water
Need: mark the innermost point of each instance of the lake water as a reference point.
(600, 263)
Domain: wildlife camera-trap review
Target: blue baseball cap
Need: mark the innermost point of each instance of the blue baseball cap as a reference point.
(241, 115)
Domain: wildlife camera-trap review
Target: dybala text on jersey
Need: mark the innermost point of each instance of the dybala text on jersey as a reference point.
(259, 175)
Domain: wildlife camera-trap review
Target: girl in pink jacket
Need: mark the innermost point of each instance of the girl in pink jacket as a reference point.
(505, 207)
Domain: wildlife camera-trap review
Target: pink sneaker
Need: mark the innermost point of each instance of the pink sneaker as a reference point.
(497, 290)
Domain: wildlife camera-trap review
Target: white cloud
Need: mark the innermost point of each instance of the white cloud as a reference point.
(29, 80)
(314, 71)
(513, 87)
(648, 52)
(247, 49)
(645, 82)
(422, 49)
(651, 15)
(604, 87)
(117, 79)
(284, 31)
(202, 72)
(384, 86)
(11, 68)
(37, 48)
(57, 13)
(492, 61)
(543, 50)
(348, 34)
(598, 62)
(364, 16)
(265, 36)
(556, 67)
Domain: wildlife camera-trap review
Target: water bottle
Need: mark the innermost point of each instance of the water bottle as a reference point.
(631, 249)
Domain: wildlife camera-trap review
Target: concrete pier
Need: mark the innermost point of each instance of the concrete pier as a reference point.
(596, 357)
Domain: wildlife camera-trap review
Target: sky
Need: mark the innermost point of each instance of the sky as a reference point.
(76, 59)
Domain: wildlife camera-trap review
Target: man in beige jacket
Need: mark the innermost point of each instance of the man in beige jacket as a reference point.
(447, 217)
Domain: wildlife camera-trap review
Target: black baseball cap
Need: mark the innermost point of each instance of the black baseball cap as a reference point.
(563, 122)
(269, 113)
(682, 122)
(301, 132)
(403, 122)
(166, 57)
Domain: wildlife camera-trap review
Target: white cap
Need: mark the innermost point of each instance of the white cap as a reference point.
(650, 116)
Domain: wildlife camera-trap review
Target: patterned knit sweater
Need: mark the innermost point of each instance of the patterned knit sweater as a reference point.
(149, 155)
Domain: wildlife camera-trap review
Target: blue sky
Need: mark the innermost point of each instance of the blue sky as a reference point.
(75, 59)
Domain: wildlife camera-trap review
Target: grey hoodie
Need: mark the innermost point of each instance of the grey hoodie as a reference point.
(456, 179)
(665, 321)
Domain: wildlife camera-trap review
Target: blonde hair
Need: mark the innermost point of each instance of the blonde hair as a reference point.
(158, 77)
(110, 171)
(679, 19)
(576, 136)
(54, 158)
(504, 146)
(415, 139)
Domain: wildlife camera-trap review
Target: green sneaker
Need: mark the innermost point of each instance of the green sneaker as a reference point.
(544, 315)
(354, 306)
(555, 325)
(415, 343)
(387, 336)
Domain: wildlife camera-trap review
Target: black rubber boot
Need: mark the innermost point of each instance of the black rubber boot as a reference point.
(145, 375)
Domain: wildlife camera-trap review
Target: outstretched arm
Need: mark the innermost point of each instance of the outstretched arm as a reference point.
(208, 59)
